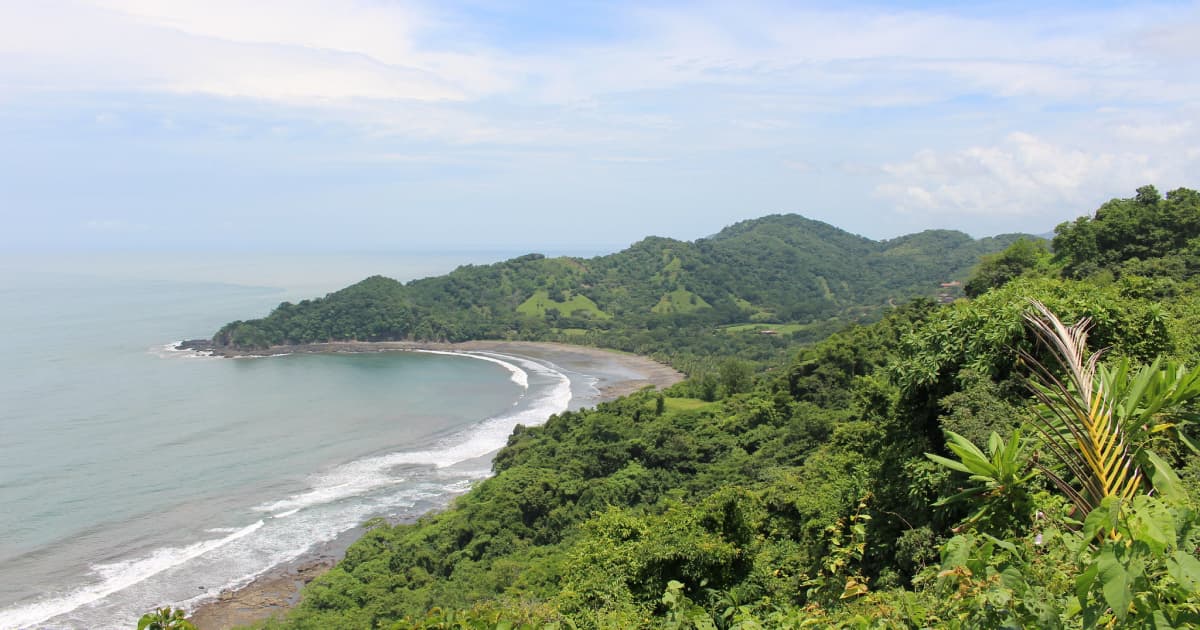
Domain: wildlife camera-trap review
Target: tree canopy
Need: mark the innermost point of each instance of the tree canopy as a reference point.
(1019, 459)
(780, 269)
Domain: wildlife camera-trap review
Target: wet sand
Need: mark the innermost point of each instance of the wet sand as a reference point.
(277, 590)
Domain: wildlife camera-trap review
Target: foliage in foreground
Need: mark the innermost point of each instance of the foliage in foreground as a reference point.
(780, 507)
(805, 498)
(165, 619)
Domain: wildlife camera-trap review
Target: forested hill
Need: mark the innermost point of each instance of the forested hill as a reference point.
(782, 270)
(973, 465)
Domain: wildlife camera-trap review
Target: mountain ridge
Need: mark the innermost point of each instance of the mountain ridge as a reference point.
(776, 268)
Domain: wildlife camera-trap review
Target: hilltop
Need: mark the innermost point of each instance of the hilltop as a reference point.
(784, 271)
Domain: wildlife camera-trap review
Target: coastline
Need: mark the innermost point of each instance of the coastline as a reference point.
(647, 370)
(278, 589)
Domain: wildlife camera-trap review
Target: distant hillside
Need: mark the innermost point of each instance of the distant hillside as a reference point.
(776, 269)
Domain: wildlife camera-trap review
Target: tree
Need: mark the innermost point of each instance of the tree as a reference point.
(735, 377)
(1022, 257)
(1143, 227)
(165, 619)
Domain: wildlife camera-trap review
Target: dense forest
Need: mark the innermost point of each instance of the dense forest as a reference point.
(1023, 457)
(801, 278)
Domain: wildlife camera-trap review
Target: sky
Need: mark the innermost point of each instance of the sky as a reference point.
(380, 125)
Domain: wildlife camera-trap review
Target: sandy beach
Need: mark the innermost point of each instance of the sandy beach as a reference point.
(617, 374)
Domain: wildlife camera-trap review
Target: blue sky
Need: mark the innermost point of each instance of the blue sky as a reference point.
(321, 125)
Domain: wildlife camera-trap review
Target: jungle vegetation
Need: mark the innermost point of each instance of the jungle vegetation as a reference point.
(1024, 457)
(679, 301)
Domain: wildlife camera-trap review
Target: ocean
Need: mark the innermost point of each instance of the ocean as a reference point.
(133, 475)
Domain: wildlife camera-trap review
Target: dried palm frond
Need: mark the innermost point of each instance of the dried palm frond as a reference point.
(1077, 421)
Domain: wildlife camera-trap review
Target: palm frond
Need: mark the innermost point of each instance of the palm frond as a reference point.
(1080, 425)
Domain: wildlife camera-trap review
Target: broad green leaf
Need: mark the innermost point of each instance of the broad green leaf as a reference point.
(1185, 568)
(970, 454)
(948, 463)
(1165, 481)
(1072, 607)
(1187, 441)
(1104, 517)
(966, 494)
(1003, 544)
(1083, 583)
(975, 463)
(1012, 579)
(955, 552)
(1114, 583)
(1150, 522)
(1159, 621)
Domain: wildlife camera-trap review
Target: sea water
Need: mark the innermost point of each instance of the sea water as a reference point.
(133, 475)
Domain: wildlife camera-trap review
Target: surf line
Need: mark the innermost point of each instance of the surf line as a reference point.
(116, 577)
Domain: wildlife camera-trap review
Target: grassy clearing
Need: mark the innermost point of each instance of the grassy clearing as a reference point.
(754, 328)
(687, 404)
(540, 302)
(679, 301)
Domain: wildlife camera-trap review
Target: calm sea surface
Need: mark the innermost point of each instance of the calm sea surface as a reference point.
(132, 475)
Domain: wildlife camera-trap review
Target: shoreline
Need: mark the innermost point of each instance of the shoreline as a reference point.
(278, 588)
(651, 372)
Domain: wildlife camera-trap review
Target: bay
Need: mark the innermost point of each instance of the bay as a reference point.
(132, 475)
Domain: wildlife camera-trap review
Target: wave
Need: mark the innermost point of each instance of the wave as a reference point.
(518, 376)
(493, 433)
(364, 475)
(348, 480)
(173, 351)
(115, 577)
(371, 484)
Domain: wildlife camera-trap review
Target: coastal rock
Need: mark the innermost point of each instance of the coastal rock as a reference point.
(195, 345)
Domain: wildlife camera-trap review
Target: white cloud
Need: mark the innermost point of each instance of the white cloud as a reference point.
(672, 82)
(872, 57)
(299, 53)
(321, 52)
(1023, 176)
(1155, 132)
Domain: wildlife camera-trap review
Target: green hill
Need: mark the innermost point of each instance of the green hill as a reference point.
(919, 471)
(779, 268)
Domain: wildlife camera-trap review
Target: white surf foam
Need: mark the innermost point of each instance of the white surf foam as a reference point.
(364, 475)
(173, 351)
(350, 479)
(518, 376)
(273, 545)
(115, 577)
(493, 433)
(223, 530)
(260, 356)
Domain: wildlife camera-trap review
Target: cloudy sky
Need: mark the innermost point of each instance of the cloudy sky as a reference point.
(302, 125)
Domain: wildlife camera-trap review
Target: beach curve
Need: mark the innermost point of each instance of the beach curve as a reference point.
(615, 374)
